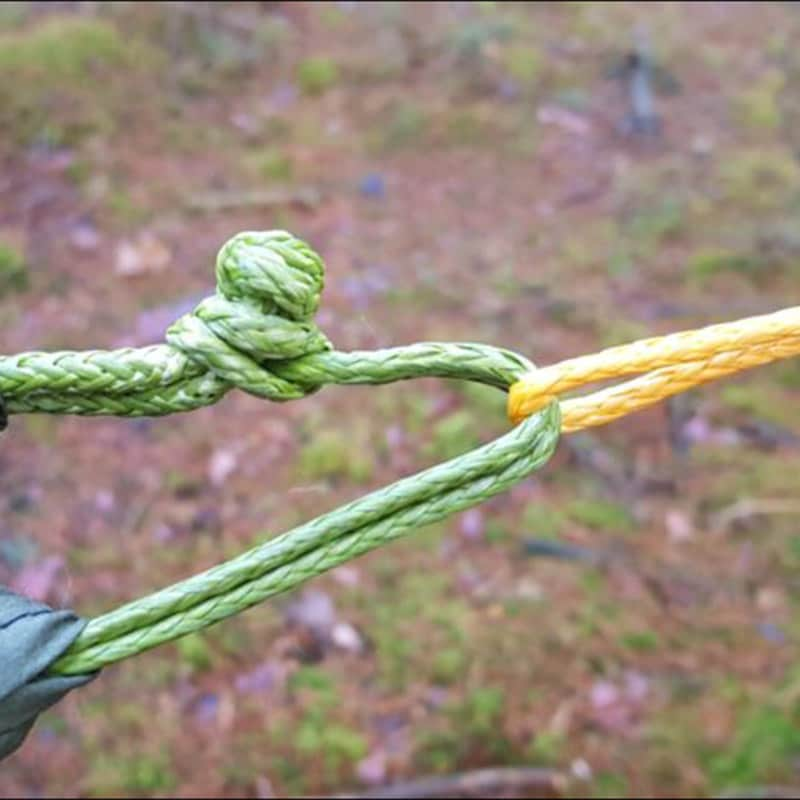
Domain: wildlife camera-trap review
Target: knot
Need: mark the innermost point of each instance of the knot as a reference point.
(268, 288)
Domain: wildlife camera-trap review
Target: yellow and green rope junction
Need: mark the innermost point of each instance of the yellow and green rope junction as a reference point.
(257, 333)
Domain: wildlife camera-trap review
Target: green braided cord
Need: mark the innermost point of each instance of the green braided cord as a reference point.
(408, 492)
(158, 380)
(256, 333)
(315, 547)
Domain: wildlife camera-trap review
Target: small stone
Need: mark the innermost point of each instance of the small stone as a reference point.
(770, 599)
(346, 637)
(529, 589)
(147, 254)
(371, 771)
(220, 466)
(313, 610)
(678, 525)
(581, 769)
(702, 145)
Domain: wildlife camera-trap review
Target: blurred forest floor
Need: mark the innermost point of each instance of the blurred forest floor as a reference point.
(485, 172)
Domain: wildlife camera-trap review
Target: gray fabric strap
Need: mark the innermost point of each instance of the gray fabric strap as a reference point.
(32, 636)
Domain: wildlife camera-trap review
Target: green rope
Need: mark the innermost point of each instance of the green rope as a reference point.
(288, 560)
(256, 333)
(81, 372)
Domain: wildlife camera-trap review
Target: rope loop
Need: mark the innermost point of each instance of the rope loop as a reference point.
(666, 365)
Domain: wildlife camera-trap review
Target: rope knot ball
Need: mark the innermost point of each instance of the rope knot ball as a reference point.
(268, 287)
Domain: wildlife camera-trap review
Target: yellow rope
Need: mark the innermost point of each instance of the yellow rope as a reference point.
(672, 364)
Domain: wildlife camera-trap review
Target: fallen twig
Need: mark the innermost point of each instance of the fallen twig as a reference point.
(305, 197)
(547, 548)
(479, 783)
(724, 520)
(760, 792)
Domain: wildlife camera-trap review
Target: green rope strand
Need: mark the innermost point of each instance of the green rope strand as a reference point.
(158, 380)
(315, 547)
(255, 333)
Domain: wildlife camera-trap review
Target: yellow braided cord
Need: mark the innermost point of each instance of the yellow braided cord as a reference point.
(672, 363)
